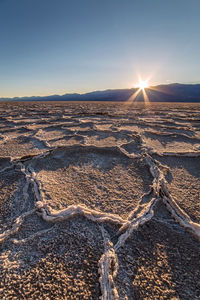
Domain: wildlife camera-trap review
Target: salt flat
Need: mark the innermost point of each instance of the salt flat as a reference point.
(99, 200)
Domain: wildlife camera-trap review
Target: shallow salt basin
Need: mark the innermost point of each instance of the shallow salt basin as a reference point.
(101, 179)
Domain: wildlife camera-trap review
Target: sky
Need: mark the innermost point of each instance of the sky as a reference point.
(65, 46)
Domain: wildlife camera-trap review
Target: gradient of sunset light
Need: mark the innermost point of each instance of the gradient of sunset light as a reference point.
(57, 47)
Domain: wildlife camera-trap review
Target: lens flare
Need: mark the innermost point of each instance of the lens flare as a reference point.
(142, 84)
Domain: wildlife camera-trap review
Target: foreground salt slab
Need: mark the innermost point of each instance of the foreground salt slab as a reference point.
(61, 263)
(100, 178)
(159, 262)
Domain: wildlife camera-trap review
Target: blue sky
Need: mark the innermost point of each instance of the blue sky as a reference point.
(49, 47)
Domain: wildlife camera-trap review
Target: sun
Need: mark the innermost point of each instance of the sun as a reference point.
(142, 84)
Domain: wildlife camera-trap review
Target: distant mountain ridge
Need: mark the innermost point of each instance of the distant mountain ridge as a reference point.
(174, 92)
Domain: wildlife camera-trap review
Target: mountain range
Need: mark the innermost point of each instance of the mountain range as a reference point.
(174, 92)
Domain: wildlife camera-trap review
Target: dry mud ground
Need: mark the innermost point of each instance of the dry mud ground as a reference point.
(99, 200)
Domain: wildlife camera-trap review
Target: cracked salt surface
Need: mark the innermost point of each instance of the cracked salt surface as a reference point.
(114, 216)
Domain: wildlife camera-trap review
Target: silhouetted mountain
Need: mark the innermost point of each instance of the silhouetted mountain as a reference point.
(161, 93)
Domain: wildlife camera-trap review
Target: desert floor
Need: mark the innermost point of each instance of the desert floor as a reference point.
(99, 200)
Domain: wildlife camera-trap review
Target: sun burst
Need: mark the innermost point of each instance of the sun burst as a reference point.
(143, 84)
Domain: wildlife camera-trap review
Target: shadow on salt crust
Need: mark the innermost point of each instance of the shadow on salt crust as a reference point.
(183, 180)
(159, 262)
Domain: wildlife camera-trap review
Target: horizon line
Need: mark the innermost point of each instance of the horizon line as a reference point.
(97, 90)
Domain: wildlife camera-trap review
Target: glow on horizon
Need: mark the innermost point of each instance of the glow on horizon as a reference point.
(142, 84)
(34, 92)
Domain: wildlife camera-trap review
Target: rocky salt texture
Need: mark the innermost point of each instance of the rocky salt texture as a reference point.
(99, 201)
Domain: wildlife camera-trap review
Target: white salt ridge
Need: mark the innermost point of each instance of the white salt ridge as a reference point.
(160, 188)
(141, 219)
(108, 267)
(40, 138)
(181, 217)
(32, 237)
(54, 216)
(16, 226)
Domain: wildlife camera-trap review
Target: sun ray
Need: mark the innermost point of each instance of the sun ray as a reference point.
(146, 98)
(141, 86)
(133, 97)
